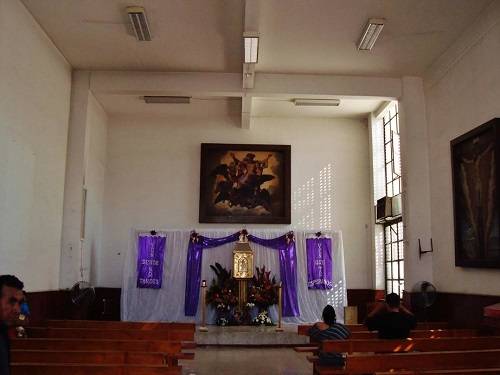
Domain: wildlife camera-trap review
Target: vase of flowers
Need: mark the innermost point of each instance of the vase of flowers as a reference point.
(263, 292)
(222, 295)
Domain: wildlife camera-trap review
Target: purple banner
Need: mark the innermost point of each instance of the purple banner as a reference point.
(319, 263)
(150, 251)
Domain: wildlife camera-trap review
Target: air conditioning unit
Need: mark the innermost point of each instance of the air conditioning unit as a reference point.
(388, 209)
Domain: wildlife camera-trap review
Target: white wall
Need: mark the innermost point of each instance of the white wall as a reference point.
(464, 98)
(35, 84)
(153, 179)
(86, 167)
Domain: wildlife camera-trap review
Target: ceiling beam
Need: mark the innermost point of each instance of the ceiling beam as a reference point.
(228, 85)
(251, 20)
(180, 84)
(314, 85)
(246, 112)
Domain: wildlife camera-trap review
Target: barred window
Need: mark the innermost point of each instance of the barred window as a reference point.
(393, 230)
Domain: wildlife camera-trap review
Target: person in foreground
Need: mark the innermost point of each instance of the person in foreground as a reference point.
(329, 329)
(391, 319)
(11, 298)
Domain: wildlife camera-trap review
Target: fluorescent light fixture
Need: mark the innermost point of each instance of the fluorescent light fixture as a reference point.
(167, 99)
(139, 22)
(370, 34)
(317, 102)
(251, 46)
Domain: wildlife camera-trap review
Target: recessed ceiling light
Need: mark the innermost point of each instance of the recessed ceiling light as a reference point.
(140, 23)
(370, 33)
(167, 99)
(317, 102)
(251, 47)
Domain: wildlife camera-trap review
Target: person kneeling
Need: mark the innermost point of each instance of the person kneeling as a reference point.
(329, 329)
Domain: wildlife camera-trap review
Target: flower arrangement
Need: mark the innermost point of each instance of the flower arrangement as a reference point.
(263, 291)
(222, 294)
(263, 319)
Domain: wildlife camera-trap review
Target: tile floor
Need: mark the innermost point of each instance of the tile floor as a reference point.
(242, 361)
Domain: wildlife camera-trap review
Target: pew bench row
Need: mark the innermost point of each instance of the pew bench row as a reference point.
(103, 348)
(409, 345)
(448, 360)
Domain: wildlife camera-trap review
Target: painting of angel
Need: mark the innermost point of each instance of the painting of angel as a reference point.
(245, 183)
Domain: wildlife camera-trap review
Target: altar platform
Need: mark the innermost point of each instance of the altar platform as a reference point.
(250, 336)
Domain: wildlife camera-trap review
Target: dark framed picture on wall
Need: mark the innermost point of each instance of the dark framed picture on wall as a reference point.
(476, 196)
(245, 183)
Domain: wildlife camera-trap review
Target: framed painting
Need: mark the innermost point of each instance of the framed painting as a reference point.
(242, 183)
(475, 158)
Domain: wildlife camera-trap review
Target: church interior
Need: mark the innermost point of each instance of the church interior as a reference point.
(185, 185)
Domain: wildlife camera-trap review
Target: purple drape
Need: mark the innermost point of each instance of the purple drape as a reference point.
(288, 268)
(193, 271)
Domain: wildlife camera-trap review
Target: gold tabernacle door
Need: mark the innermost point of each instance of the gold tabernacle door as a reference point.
(242, 259)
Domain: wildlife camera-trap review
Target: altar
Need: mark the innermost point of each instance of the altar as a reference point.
(168, 303)
(251, 336)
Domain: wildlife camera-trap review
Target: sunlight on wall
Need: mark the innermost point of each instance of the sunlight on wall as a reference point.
(335, 296)
(325, 197)
(313, 202)
(303, 205)
(378, 162)
(379, 258)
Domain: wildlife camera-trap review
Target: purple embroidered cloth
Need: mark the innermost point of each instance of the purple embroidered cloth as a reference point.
(150, 252)
(319, 263)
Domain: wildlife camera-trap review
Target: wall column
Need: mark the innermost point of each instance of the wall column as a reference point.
(416, 181)
(75, 174)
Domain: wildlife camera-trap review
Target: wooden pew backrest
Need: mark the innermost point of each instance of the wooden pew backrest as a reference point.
(101, 324)
(83, 344)
(119, 334)
(423, 345)
(91, 369)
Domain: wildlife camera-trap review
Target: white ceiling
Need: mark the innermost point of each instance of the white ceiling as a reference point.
(297, 36)
(131, 105)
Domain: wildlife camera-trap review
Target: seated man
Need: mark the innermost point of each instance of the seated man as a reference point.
(391, 319)
(11, 298)
(329, 329)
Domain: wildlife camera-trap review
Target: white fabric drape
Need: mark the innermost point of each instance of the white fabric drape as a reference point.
(167, 303)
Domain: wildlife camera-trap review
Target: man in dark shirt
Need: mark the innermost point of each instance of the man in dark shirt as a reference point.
(391, 319)
(11, 298)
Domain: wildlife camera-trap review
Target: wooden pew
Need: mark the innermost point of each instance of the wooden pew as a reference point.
(97, 357)
(102, 324)
(303, 329)
(422, 333)
(171, 350)
(116, 334)
(369, 363)
(421, 345)
(90, 344)
(414, 334)
(91, 369)
(398, 346)
(479, 371)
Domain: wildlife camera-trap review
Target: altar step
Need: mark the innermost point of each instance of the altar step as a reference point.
(250, 336)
